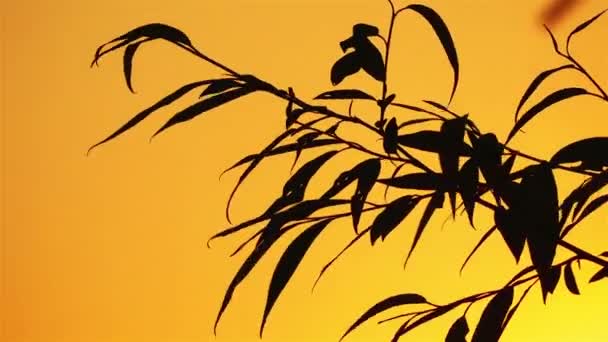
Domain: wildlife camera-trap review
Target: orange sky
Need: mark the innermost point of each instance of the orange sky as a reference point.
(111, 247)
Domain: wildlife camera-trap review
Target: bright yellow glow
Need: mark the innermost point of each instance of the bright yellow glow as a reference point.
(111, 247)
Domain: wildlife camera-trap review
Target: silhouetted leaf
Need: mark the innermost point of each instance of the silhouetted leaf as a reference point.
(420, 181)
(388, 303)
(591, 152)
(584, 25)
(508, 164)
(391, 217)
(570, 279)
(548, 101)
(390, 137)
(443, 33)
(593, 206)
(347, 177)
(485, 236)
(344, 67)
(344, 94)
(458, 331)
(220, 85)
(540, 211)
(536, 82)
(489, 327)
(255, 256)
(603, 273)
(435, 203)
(468, 181)
(415, 121)
(371, 59)
(430, 141)
(128, 62)
(368, 173)
(294, 188)
(383, 103)
(406, 327)
(205, 105)
(516, 306)
(149, 32)
(365, 30)
(288, 263)
(549, 280)
(167, 100)
(453, 135)
(512, 230)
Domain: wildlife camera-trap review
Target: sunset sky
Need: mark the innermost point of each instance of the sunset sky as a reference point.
(110, 247)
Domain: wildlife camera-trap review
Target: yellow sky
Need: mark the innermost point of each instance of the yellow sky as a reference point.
(111, 247)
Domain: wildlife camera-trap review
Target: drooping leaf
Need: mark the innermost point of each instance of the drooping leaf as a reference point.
(288, 263)
(248, 265)
(148, 32)
(579, 196)
(294, 188)
(205, 105)
(371, 59)
(536, 82)
(489, 327)
(484, 237)
(388, 303)
(443, 33)
(390, 137)
(453, 135)
(590, 152)
(435, 203)
(406, 327)
(367, 178)
(510, 225)
(549, 280)
(344, 67)
(516, 306)
(167, 100)
(570, 280)
(419, 181)
(128, 62)
(344, 94)
(548, 101)
(507, 166)
(540, 212)
(389, 218)
(603, 273)
(468, 181)
(349, 176)
(220, 85)
(458, 331)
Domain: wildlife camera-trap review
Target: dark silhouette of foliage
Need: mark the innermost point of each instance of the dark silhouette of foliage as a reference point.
(472, 164)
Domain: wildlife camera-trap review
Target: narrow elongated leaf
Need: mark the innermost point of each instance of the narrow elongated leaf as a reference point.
(548, 101)
(248, 265)
(406, 327)
(489, 327)
(435, 203)
(603, 273)
(344, 67)
(220, 85)
(205, 105)
(167, 100)
(443, 33)
(389, 142)
(468, 182)
(388, 303)
(294, 188)
(420, 181)
(593, 206)
(591, 152)
(458, 331)
(389, 218)
(128, 62)
(485, 236)
(345, 94)
(511, 226)
(453, 135)
(549, 280)
(288, 263)
(149, 32)
(415, 121)
(570, 280)
(347, 177)
(430, 141)
(536, 82)
(579, 196)
(367, 178)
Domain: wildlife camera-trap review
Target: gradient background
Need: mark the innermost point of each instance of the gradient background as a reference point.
(110, 247)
